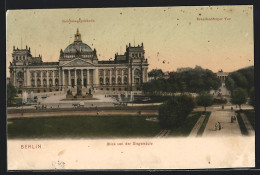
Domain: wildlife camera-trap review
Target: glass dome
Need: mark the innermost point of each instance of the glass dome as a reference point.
(77, 46)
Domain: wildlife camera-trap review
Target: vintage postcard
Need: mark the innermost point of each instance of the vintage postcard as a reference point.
(130, 88)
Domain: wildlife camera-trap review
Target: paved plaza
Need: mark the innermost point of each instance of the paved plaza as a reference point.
(228, 128)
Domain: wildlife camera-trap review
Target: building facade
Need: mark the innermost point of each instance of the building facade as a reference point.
(222, 75)
(78, 65)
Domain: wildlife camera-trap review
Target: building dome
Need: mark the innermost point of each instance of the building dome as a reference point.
(77, 45)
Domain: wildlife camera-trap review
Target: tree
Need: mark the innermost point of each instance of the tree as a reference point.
(204, 99)
(239, 97)
(156, 73)
(11, 93)
(175, 111)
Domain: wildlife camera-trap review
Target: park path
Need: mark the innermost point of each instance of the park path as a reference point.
(224, 117)
(197, 126)
(82, 113)
(163, 133)
(250, 129)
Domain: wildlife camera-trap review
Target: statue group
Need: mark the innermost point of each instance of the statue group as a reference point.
(79, 92)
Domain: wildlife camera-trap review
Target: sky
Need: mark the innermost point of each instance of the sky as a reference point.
(213, 37)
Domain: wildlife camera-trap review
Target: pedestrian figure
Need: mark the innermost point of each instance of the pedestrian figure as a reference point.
(232, 119)
(216, 126)
(222, 107)
(231, 108)
(219, 125)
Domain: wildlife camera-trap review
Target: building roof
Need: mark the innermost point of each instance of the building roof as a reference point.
(45, 64)
(106, 62)
(77, 46)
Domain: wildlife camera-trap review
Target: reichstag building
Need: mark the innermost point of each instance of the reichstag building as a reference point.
(79, 65)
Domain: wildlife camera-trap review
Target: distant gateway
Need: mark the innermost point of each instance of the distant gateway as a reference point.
(78, 64)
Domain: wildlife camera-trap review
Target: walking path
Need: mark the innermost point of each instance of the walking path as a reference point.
(84, 113)
(250, 129)
(224, 117)
(197, 126)
(163, 133)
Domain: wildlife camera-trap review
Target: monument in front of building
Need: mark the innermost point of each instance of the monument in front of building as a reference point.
(79, 95)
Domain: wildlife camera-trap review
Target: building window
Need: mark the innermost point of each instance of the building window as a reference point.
(101, 72)
(125, 89)
(38, 82)
(140, 54)
(50, 82)
(44, 82)
(85, 82)
(56, 82)
(107, 81)
(107, 89)
(119, 89)
(113, 80)
(107, 72)
(20, 75)
(137, 72)
(101, 81)
(125, 71)
(44, 74)
(114, 89)
(32, 83)
(125, 80)
(119, 80)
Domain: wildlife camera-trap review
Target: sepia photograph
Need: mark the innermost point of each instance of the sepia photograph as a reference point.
(130, 88)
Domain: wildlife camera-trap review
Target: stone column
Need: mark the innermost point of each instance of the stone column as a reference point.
(47, 76)
(104, 81)
(96, 77)
(129, 76)
(41, 80)
(110, 76)
(75, 77)
(27, 78)
(87, 77)
(63, 78)
(53, 80)
(133, 82)
(69, 78)
(116, 76)
(35, 81)
(82, 79)
(59, 78)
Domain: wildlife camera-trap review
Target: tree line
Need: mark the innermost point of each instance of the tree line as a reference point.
(193, 80)
(241, 85)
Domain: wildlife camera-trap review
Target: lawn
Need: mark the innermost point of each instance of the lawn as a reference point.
(82, 127)
(204, 124)
(250, 116)
(186, 127)
(241, 124)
